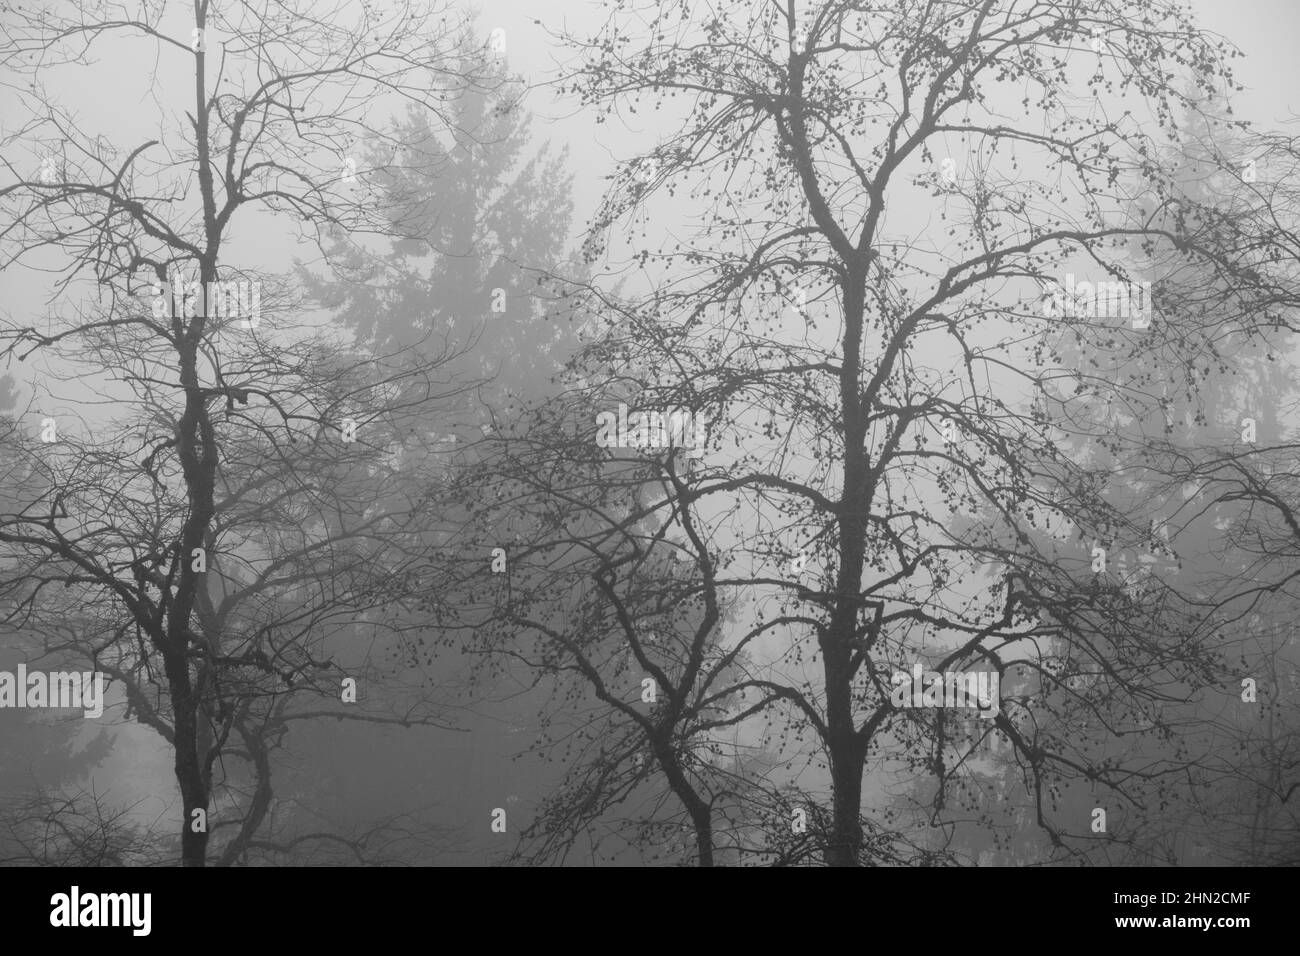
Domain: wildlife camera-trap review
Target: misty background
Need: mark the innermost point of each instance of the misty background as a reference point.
(472, 246)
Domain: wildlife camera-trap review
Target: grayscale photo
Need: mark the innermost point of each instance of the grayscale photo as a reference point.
(650, 433)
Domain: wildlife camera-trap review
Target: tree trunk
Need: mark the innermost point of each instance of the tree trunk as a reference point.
(189, 767)
(701, 818)
(839, 641)
(845, 846)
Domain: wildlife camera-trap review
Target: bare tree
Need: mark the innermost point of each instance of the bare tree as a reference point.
(880, 389)
(237, 451)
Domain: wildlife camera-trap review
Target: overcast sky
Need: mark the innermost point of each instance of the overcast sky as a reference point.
(120, 98)
(1265, 30)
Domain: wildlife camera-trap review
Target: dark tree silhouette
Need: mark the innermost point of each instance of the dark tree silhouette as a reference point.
(873, 375)
(234, 453)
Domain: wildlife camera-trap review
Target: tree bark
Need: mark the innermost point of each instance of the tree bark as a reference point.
(838, 642)
(701, 818)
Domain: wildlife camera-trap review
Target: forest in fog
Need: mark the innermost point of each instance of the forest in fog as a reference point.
(649, 433)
